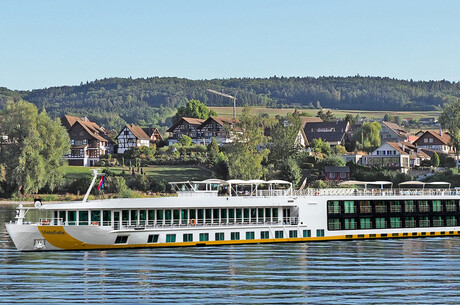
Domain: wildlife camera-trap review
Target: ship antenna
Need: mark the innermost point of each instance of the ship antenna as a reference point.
(95, 174)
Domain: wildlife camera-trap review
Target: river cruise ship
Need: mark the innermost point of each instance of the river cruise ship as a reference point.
(217, 212)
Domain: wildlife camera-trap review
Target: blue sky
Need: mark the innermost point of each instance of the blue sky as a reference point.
(53, 43)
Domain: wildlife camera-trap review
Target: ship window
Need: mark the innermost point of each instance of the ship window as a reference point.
(121, 239)
(215, 215)
(319, 233)
(349, 207)
(437, 221)
(192, 214)
(153, 238)
(246, 215)
(95, 216)
(350, 224)
(223, 215)
(235, 235)
(188, 237)
(219, 236)
(62, 215)
(253, 215)
(204, 236)
(268, 213)
(261, 214)
(208, 215)
(409, 206)
(275, 214)
(333, 224)
(239, 215)
(170, 238)
(134, 217)
(264, 235)
(200, 215)
(365, 223)
(395, 207)
(72, 217)
(451, 221)
(125, 216)
(380, 223)
(83, 218)
(151, 216)
(106, 217)
(333, 207)
(306, 233)
(279, 234)
(395, 222)
(292, 233)
(250, 235)
(159, 215)
(409, 222)
(168, 214)
(437, 207)
(423, 221)
(231, 215)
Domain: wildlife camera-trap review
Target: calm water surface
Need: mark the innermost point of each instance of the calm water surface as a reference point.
(410, 271)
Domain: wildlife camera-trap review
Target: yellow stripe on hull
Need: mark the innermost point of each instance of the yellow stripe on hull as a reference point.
(59, 238)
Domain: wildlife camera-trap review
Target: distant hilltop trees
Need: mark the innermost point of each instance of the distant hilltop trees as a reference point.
(113, 102)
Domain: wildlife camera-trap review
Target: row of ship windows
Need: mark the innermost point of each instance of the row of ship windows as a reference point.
(189, 237)
(391, 222)
(166, 216)
(407, 206)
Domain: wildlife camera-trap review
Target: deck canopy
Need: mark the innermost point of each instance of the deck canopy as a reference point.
(423, 184)
(366, 183)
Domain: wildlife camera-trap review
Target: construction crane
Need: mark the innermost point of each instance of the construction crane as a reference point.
(228, 96)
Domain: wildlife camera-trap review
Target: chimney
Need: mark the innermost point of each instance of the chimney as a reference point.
(85, 119)
(440, 132)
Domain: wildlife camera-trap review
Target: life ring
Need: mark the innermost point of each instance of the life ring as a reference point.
(192, 222)
(94, 223)
(45, 222)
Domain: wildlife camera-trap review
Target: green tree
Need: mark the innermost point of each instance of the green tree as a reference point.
(340, 150)
(290, 171)
(247, 152)
(320, 146)
(33, 157)
(283, 139)
(435, 160)
(326, 116)
(193, 109)
(368, 136)
(387, 117)
(185, 140)
(351, 119)
(450, 120)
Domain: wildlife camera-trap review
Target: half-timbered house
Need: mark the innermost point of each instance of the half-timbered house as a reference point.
(132, 136)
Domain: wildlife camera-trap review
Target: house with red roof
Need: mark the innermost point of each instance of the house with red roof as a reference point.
(132, 136)
(435, 140)
(89, 141)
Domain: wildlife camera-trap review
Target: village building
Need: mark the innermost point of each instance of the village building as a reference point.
(89, 141)
(389, 155)
(185, 126)
(132, 136)
(153, 134)
(438, 141)
(336, 173)
(333, 133)
(392, 132)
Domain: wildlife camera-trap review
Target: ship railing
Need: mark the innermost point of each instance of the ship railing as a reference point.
(375, 192)
(51, 221)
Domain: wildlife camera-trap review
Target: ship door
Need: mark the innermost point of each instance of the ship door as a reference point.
(116, 220)
(287, 216)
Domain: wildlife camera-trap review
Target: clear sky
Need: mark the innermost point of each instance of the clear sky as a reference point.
(53, 43)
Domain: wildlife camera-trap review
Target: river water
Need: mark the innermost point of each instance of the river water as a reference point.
(410, 271)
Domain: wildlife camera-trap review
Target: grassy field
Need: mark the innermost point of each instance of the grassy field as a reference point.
(228, 112)
(166, 172)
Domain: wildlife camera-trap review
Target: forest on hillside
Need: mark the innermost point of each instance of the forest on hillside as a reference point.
(113, 102)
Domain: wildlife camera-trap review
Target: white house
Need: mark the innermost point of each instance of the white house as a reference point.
(132, 136)
(390, 155)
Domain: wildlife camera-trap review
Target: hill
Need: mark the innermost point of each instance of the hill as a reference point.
(152, 101)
